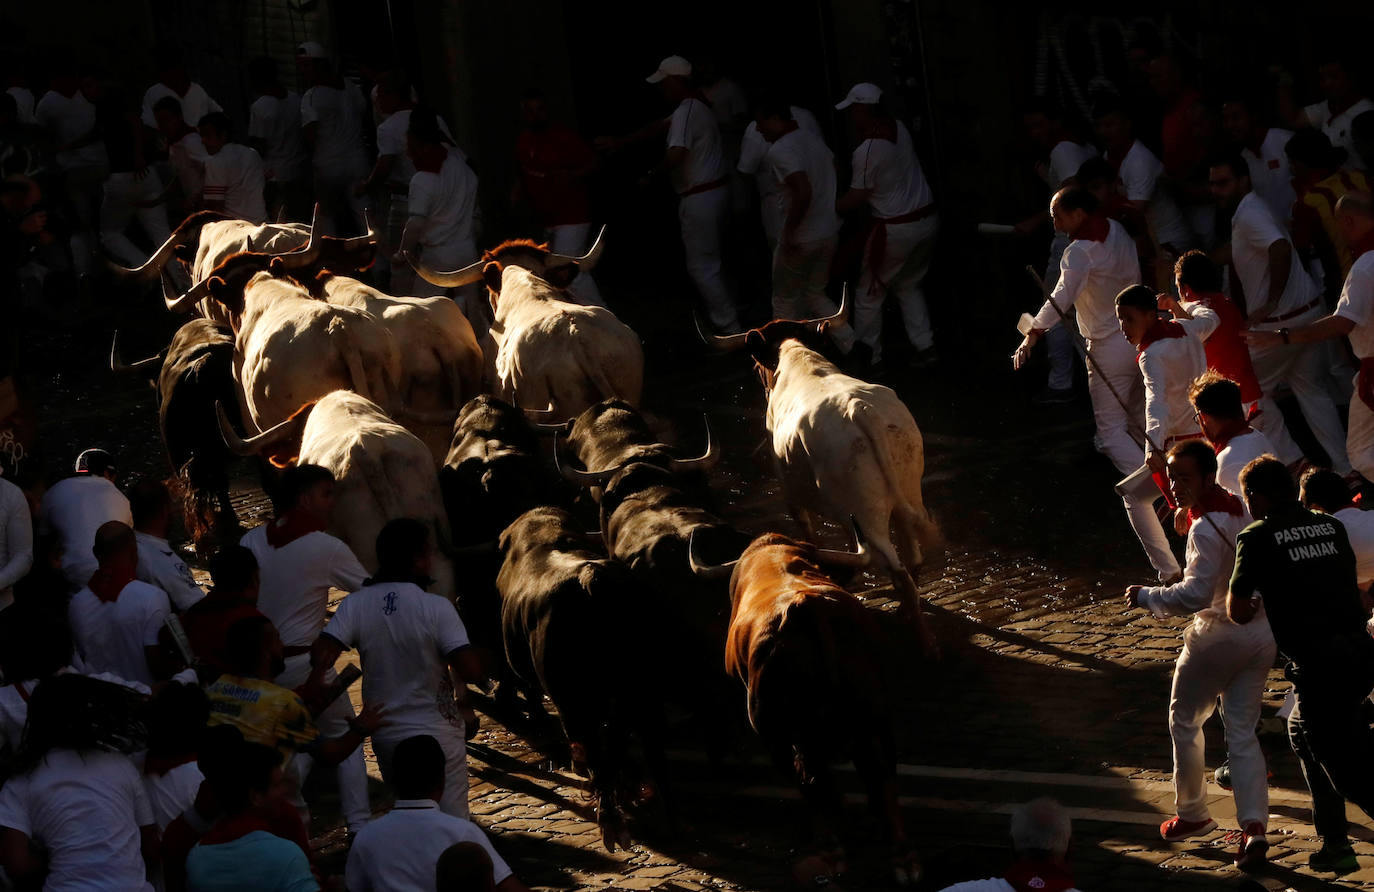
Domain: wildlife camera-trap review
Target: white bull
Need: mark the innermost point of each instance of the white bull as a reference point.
(545, 348)
(290, 348)
(845, 449)
(381, 470)
(441, 363)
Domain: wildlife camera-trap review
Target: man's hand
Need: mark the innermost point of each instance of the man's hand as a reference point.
(1158, 463)
(370, 719)
(472, 723)
(1023, 352)
(1133, 596)
(1262, 338)
(1181, 521)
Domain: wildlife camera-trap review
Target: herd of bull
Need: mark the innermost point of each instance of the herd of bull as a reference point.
(292, 360)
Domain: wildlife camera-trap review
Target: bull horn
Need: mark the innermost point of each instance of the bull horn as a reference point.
(185, 302)
(857, 559)
(310, 253)
(706, 460)
(587, 261)
(453, 279)
(419, 416)
(578, 476)
(707, 571)
(153, 265)
(256, 444)
(719, 343)
(839, 315)
(358, 242)
(554, 428)
(117, 363)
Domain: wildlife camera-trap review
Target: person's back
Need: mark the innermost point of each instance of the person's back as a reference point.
(276, 121)
(447, 200)
(235, 176)
(339, 110)
(398, 851)
(75, 508)
(85, 810)
(111, 635)
(800, 150)
(229, 860)
(296, 579)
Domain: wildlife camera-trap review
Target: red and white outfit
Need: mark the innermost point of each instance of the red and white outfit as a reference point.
(443, 203)
(1095, 268)
(297, 570)
(753, 149)
(1234, 453)
(702, 183)
(1228, 355)
(1303, 366)
(405, 636)
(1171, 357)
(234, 175)
(897, 254)
(1357, 305)
(1269, 174)
(1219, 658)
(561, 202)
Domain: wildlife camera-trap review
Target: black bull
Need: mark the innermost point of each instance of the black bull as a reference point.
(574, 628)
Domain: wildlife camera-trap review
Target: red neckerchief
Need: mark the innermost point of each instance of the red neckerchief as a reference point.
(107, 584)
(292, 525)
(1039, 876)
(235, 827)
(160, 765)
(1161, 330)
(1221, 443)
(1094, 229)
(1216, 499)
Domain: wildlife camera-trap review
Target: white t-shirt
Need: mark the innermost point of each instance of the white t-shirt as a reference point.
(1091, 275)
(195, 105)
(1210, 557)
(892, 172)
(398, 851)
(23, 100)
(391, 140)
(728, 102)
(1065, 159)
(1269, 174)
(16, 539)
(1359, 527)
(339, 140)
(404, 635)
(1239, 452)
(694, 127)
(172, 793)
(74, 509)
(1337, 128)
(754, 148)
(1357, 304)
(85, 810)
(277, 122)
(110, 635)
(187, 157)
(1253, 230)
(447, 201)
(69, 119)
(296, 580)
(1139, 173)
(800, 151)
(235, 176)
(1169, 366)
(160, 565)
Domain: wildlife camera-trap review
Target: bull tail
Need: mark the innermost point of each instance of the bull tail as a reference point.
(913, 519)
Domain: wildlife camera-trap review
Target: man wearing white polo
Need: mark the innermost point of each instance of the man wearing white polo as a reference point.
(696, 165)
(887, 177)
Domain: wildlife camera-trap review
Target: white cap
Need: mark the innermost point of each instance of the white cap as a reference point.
(673, 66)
(861, 94)
(312, 49)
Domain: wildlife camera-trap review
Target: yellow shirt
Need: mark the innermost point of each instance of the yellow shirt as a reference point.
(1316, 210)
(263, 712)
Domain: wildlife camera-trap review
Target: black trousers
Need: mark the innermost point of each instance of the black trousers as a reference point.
(1330, 734)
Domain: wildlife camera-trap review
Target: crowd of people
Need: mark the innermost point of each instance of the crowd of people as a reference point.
(161, 735)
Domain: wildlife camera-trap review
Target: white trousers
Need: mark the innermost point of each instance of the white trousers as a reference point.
(351, 773)
(117, 211)
(905, 263)
(1119, 431)
(800, 275)
(575, 239)
(1139, 496)
(455, 798)
(1304, 368)
(1232, 661)
(1359, 440)
(702, 218)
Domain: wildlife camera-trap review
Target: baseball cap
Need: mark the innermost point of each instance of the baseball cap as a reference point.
(861, 94)
(94, 461)
(673, 66)
(312, 49)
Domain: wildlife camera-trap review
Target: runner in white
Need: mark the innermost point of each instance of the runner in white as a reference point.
(234, 176)
(753, 148)
(333, 111)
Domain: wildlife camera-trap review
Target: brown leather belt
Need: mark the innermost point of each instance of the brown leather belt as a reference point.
(1293, 315)
(704, 187)
(919, 214)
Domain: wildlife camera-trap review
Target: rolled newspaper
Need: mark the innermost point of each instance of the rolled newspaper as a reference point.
(1025, 324)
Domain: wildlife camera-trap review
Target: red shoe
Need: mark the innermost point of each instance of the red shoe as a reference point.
(1176, 828)
(1254, 847)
